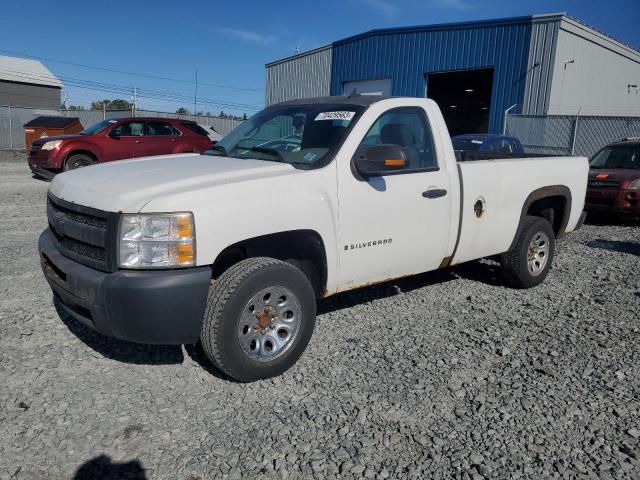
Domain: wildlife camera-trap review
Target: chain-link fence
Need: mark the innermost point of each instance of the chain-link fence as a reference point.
(570, 135)
(13, 118)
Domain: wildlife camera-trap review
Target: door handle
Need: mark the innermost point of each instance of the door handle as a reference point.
(434, 193)
(138, 141)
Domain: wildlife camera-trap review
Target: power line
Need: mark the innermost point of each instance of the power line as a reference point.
(28, 77)
(145, 75)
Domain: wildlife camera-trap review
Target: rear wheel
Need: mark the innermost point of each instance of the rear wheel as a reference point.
(78, 160)
(528, 262)
(259, 318)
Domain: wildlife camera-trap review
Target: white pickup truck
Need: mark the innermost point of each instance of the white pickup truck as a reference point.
(304, 200)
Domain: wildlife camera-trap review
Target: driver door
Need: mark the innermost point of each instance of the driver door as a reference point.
(395, 224)
(126, 140)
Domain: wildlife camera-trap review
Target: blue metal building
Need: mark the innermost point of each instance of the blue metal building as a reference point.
(501, 63)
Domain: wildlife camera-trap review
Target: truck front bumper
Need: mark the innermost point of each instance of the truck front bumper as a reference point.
(151, 306)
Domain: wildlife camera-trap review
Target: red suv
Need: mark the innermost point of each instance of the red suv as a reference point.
(614, 180)
(115, 140)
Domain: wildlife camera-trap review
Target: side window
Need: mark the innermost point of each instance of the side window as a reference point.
(161, 129)
(128, 129)
(408, 128)
(500, 146)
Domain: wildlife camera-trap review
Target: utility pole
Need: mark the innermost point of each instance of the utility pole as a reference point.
(134, 100)
(195, 96)
(10, 129)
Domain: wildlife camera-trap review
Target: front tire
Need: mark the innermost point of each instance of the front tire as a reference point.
(78, 160)
(528, 262)
(259, 319)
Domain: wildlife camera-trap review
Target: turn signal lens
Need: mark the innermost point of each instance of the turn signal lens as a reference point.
(394, 162)
(185, 226)
(185, 255)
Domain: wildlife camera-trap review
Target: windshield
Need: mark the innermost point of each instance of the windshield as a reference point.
(466, 143)
(623, 156)
(301, 135)
(98, 127)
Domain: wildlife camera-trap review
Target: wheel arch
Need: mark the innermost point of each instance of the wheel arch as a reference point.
(81, 150)
(304, 248)
(552, 202)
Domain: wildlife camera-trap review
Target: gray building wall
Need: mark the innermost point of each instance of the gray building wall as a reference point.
(27, 95)
(302, 76)
(597, 81)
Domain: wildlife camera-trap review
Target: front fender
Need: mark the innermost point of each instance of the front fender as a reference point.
(68, 149)
(226, 214)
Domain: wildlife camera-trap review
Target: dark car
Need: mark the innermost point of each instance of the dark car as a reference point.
(486, 142)
(118, 139)
(614, 180)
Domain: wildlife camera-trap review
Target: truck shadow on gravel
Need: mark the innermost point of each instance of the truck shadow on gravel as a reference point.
(102, 467)
(478, 271)
(632, 248)
(128, 352)
(119, 350)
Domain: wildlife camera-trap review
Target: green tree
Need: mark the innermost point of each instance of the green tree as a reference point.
(117, 104)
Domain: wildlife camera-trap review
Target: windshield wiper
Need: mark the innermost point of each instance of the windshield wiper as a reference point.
(270, 151)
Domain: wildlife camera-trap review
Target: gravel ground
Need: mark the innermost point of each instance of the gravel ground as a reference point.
(444, 375)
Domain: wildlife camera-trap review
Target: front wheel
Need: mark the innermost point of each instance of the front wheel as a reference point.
(78, 160)
(528, 262)
(259, 319)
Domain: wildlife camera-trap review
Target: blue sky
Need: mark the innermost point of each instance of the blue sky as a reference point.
(229, 42)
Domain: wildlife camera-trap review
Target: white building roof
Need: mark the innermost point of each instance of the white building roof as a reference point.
(24, 70)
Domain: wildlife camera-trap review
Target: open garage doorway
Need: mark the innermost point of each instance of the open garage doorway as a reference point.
(464, 96)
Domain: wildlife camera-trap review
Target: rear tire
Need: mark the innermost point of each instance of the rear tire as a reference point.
(259, 318)
(78, 160)
(528, 262)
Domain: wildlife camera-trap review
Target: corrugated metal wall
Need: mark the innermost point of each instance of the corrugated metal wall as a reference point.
(302, 76)
(408, 55)
(542, 52)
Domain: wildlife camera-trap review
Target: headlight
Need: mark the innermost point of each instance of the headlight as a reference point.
(157, 240)
(51, 145)
(635, 185)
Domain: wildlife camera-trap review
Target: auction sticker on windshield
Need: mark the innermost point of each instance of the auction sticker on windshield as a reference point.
(335, 116)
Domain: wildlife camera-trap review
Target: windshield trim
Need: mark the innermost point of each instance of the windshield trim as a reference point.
(325, 159)
(107, 123)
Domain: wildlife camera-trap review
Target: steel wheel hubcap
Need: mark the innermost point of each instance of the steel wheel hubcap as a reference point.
(538, 253)
(269, 323)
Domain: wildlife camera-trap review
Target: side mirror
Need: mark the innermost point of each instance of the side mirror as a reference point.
(379, 159)
(113, 134)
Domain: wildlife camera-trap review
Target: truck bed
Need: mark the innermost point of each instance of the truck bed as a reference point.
(502, 186)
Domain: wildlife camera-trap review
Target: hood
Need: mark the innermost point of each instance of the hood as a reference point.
(43, 140)
(127, 186)
(615, 174)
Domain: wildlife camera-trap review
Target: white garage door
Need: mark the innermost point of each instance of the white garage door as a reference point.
(369, 87)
